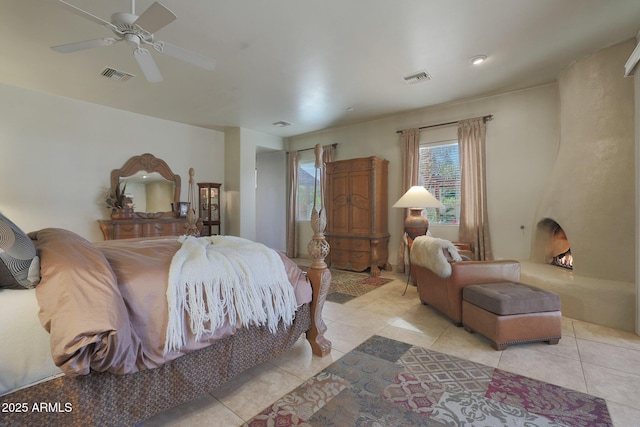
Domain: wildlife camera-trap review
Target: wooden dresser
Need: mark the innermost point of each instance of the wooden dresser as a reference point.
(357, 211)
(139, 227)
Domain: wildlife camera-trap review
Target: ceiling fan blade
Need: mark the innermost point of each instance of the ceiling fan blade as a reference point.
(147, 65)
(86, 14)
(155, 17)
(87, 44)
(185, 55)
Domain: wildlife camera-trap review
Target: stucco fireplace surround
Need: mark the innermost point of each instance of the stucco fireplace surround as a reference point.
(591, 194)
(601, 301)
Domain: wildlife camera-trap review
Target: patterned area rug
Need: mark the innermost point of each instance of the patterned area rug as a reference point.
(347, 285)
(389, 383)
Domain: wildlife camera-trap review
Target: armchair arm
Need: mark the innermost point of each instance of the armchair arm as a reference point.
(463, 246)
(465, 249)
(477, 272)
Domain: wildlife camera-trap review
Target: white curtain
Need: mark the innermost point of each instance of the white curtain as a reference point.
(292, 208)
(328, 155)
(474, 220)
(410, 145)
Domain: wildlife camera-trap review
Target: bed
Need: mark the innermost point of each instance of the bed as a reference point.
(101, 357)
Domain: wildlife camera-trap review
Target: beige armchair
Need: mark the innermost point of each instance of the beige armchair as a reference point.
(445, 293)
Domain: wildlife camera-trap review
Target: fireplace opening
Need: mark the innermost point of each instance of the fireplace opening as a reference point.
(564, 260)
(553, 245)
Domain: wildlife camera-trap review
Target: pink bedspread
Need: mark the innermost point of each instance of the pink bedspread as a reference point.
(105, 304)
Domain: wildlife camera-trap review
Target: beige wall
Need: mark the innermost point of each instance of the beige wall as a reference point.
(56, 156)
(271, 200)
(232, 182)
(242, 147)
(591, 191)
(522, 143)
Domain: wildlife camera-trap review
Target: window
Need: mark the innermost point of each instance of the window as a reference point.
(306, 182)
(440, 174)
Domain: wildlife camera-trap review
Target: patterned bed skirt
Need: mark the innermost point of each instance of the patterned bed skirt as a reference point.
(102, 399)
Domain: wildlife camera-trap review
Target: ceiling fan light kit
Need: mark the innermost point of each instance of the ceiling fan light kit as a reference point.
(137, 30)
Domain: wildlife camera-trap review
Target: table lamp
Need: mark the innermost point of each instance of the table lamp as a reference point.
(416, 199)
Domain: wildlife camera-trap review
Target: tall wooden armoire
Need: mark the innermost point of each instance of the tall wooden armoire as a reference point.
(357, 207)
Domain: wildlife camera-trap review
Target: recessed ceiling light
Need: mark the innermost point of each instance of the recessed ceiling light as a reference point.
(478, 59)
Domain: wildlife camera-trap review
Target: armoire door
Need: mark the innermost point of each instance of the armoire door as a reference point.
(338, 218)
(360, 202)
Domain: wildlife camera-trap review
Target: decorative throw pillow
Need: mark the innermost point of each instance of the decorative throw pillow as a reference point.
(19, 263)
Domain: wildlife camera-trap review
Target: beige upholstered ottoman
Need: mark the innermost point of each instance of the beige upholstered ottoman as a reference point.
(511, 313)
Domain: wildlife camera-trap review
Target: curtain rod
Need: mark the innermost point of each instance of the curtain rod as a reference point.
(485, 118)
(334, 145)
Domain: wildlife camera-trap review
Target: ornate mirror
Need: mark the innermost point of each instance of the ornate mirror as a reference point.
(151, 184)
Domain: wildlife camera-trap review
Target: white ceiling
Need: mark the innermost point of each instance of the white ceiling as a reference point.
(308, 62)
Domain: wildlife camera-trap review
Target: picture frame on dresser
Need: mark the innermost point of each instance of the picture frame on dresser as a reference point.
(183, 207)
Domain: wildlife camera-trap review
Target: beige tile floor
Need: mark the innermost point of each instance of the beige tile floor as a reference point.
(593, 359)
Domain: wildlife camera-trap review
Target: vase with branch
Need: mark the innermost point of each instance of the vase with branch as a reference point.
(120, 204)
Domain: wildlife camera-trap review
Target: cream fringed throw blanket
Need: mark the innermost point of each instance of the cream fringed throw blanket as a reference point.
(219, 278)
(427, 251)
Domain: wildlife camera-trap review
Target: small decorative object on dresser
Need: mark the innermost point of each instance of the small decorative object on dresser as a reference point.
(149, 215)
(120, 204)
(357, 214)
(183, 208)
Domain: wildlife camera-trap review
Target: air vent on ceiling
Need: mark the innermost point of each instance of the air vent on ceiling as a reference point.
(418, 77)
(282, 124)
(114, 74)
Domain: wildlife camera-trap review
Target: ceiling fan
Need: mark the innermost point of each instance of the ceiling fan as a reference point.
(137, 31)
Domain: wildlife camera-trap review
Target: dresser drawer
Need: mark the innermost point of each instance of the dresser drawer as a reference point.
(161, 229)
(338, 260)
(350, 244)
(359, 261)
(127, 231)
(174, 229)
(350, 260)
(142, 227)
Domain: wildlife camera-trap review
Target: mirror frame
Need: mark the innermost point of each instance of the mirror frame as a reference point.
(150, 163)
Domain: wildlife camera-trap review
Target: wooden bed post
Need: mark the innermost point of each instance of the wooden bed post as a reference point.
(318, 273)
(194, 222)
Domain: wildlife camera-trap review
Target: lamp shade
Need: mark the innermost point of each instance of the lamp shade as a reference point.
(418, 197)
